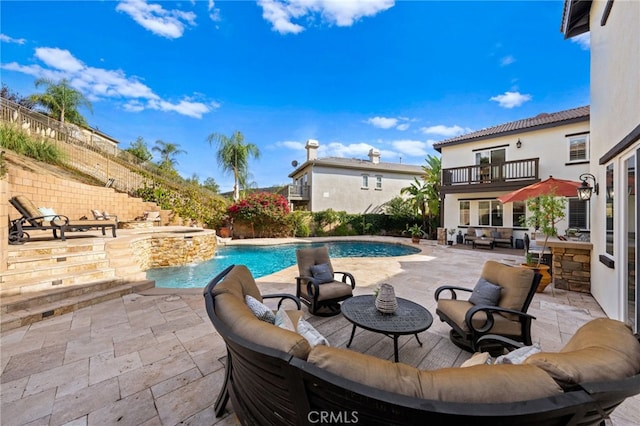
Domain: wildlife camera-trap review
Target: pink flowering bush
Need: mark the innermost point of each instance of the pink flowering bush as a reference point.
(266, 213)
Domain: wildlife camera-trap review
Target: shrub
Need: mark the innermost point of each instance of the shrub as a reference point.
(20, 142)
(266, 212)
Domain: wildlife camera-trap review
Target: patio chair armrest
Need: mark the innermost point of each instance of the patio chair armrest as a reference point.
(312, 285)
(283, 297)
(452, 289)
(491, 339)
(347, 278)
(489, 311)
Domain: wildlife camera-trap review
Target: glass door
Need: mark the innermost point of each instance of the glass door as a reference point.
(630, 184)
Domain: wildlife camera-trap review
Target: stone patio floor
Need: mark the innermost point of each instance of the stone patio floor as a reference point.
(155, 359)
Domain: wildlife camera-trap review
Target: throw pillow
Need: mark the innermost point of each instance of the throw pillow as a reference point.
(485, 293)
(106, 215)
(49, 214)
(312, 335)
(519, 355)
(282, 320)
(479, 358)
(260, 310)
(479, 233)
(322, 273)
(495, 234)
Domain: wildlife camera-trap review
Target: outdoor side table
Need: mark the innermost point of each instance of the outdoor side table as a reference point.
(409, 318)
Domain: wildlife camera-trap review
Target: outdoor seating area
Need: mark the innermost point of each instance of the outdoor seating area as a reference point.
(581, 384)
(156, 358)
(490, 237)
(39, 218)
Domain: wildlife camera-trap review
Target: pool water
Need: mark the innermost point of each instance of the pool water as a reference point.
(265, 260)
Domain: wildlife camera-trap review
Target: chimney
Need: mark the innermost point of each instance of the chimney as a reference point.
(312, 149)
(374, 156)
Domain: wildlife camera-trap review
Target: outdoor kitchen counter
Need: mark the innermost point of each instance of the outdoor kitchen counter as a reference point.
(571, 264)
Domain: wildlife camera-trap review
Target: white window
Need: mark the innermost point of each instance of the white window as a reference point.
(378, 182)
(579, 148)
(365, 182)
(578, 213)
(490, 213)
(465, 212)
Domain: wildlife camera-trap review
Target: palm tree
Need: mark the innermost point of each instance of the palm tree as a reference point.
(61, 101)
(425, 192)
(168, 151)
(233, 156)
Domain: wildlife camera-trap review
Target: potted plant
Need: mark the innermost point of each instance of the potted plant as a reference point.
(415, 231)
(546, 211)
(452, 232)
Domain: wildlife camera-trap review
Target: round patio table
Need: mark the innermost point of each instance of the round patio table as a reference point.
(409, 318)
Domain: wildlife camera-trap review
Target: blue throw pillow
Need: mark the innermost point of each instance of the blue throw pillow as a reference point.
(322, 273)
(495, 234)
(485, 293)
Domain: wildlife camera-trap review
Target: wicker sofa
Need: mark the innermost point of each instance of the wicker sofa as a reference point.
(274, 377)
(502, 236)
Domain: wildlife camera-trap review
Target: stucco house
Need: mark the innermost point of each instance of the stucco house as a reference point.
(347, 184)
(480, 166)
(615, 148)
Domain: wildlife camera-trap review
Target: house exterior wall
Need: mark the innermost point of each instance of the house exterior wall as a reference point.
(341, 189)
(550, 145)
(615, 112)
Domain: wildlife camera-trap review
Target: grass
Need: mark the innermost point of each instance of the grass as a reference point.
(20, 142)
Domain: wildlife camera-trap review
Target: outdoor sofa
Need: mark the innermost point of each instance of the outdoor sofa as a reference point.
(274, 376)
(502, 236)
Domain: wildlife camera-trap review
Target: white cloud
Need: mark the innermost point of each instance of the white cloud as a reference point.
(293, 145)
(338, 149)
(511, 99)
(6, 39)
(153, 17)
(583, 40)
(99, 83)
(402, 127)
(411, 148)
(282, 13)
(507, 60)
(214, 12)
(383, 122)
(443, 130)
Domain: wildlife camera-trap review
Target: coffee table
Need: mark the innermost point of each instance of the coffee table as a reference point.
(409, 318)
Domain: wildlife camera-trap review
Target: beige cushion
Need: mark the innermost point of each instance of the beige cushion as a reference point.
(329, 291)
(515, 283)
(456, 310)
(308, 257)
(239, 282)
(239, 318)
(602, 349)
(480, 383)
(30, 208)
(478, 358)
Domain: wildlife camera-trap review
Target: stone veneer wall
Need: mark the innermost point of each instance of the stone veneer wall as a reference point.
(572, 269)
(168, 250)
(4, 228)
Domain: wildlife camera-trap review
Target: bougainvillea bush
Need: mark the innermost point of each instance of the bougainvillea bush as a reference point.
(265, 213)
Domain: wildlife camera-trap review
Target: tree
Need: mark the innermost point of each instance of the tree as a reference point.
(140, 150)
(168, 152)
(61, 101)
(233, 156)
(424, 193)
(211, 184)
(6, 93)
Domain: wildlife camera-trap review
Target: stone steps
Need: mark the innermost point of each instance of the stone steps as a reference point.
(18, 311)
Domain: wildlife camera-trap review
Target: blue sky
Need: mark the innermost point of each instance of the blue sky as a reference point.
(353, 74)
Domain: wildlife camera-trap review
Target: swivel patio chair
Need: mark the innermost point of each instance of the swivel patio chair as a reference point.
(497, 305)
(317, 287)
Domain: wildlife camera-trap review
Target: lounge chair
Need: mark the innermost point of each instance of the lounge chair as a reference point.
(33, 219)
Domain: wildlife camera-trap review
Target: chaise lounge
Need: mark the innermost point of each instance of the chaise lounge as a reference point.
(274, 376)
(32, 219)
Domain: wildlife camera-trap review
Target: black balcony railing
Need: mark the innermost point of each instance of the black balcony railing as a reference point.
(492, 173)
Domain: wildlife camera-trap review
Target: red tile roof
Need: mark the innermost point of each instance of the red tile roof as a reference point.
(534, 123)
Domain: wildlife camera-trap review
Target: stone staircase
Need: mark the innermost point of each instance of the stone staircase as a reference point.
(49, 278)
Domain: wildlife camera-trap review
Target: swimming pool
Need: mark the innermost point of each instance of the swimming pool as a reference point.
(265, 260)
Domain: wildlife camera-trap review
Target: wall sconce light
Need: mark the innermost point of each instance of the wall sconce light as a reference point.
(518, 144)
(584, 192)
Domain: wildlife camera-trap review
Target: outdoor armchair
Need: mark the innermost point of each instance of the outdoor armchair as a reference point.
(497, 305)
(317, 287)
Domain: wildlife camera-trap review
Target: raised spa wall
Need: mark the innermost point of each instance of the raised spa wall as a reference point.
(174, 249)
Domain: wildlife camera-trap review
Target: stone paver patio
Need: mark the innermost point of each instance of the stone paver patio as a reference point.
(155, 358)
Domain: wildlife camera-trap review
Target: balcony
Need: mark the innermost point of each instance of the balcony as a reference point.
(506, 176)
(298, 193)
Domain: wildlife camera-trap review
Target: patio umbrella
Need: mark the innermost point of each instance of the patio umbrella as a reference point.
(557, 187)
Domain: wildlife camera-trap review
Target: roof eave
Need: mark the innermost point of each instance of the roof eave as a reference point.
(575, 19)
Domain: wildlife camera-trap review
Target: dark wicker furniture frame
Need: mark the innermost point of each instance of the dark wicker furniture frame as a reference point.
(270, 387)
